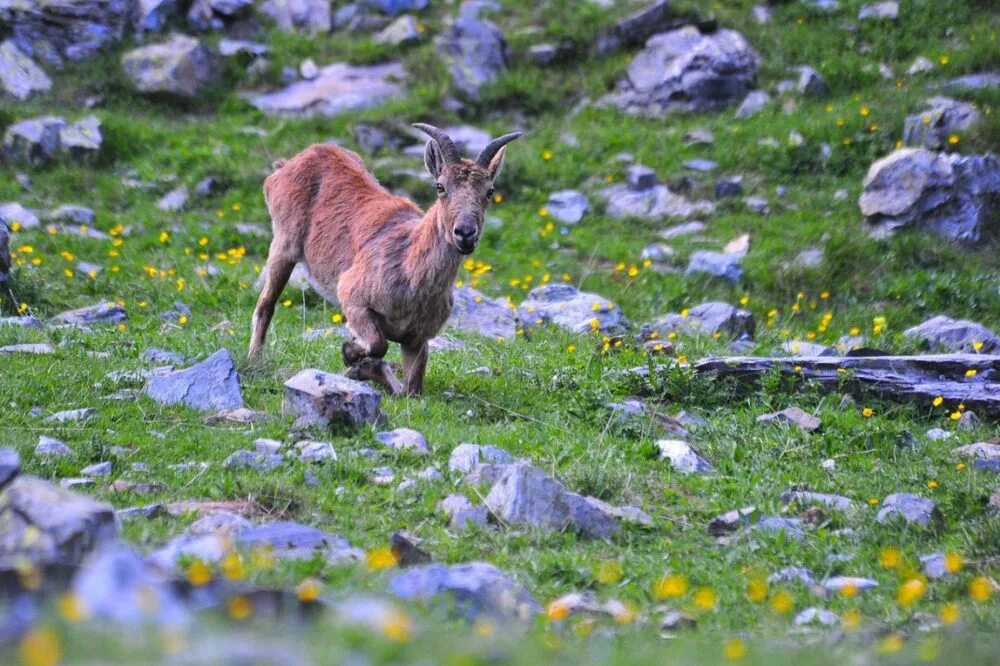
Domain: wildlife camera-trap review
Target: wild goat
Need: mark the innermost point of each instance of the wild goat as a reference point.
(390, 265)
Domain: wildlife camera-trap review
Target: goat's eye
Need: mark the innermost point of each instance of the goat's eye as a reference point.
(489, 193)
(440, 188)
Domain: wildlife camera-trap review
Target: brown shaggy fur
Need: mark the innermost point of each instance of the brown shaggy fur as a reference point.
(390, 265)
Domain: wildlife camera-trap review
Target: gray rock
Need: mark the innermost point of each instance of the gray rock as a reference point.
(34, 141)
(567, 206)
(88, 269)
(462, 513)
(50, 447)
(12, 212)
(97, 469)
(102, 313)
(253, 460)
(731, 186)
(790, 527)
(806, 497)
(958, 336)
(921, 65)
(880, 11)
(207, 15)
(404, 439)
(793, 416)
(809, 258)
(474, 590)
(161, 357)
(315, 397)
(951, 195)
(685, 70)
(731, 521)
(792, 575)
(180, 67)
(395, 7)
(685, 229)
(212, 385)
(596, 519)
(401, 32)
(72, 415)
(475, 313)
(980, 81)
(627, 410)
(475, 52)
(983, 450)
(116, 585)
(28, 348)
(465, 457)
(658, 252)
(72, 214)
(236, 47)
(293, 541)
(264, 445)
(938, 434)
(338, 88)
(652, 203)
(5, 264)
(682, 456)
(940, 118)
(967, 422)
(44, 524)
(701, 165)
(811, 83)
(153, 15)
(309, 16)
(20, 77)
(935, 566)
(562, 305)
(704, 319)
(23, 321)
(310, 451)
(753, 103)
(58, 30)
(544, 55)
(144, 512)
(762, 15)
(10, 466)
(912, 509)
(221, 522)
(715, 264)
(813, 615)
(640, 177)
(81, 141)
(174, 200)
(757, 205)
(838, 583)
(804, 348)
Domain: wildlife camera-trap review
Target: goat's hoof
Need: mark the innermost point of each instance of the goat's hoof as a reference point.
(378, 371)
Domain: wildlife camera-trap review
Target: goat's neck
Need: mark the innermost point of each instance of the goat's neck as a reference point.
(432, 262)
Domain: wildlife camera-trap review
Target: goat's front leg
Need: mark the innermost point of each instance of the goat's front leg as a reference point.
(414, 367)
(366, 349)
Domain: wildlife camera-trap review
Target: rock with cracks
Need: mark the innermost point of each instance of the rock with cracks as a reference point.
(211, 385)
(20, 77)
(704, 319)
(955, 335)
(54, 31)
(564, 306)
(180, 67)
(317, 398)
(475, 52)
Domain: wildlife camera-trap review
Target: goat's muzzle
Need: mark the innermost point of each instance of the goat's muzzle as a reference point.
(466, 236)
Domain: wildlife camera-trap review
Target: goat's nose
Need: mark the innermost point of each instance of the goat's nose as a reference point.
(465, 232)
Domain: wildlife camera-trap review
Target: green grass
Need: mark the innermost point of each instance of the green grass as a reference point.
(543, 401)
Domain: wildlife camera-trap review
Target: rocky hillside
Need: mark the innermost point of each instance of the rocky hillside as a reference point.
(722, 377)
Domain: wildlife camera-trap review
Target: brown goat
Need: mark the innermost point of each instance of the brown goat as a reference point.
(390, 265)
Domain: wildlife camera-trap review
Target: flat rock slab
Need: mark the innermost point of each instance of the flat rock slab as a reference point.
(212, 385)
(320, 398)
(50, 447)
(806, 497)
(474, 312)
(916, 379)
(404, 439)
(653, 202)
(910, 508)
(338, 88)
(473, 590)
(102, 313)
(253, 460)
(45, 524)
(982, 450)
(566, 307)
(793, 416)
(40, 349)
(954, 335)
(295, 541)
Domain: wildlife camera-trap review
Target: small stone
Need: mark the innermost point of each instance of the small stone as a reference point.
(308, 69)
(792, 575)
(567, 206)
(124, 486)
(753, 103)
(682, 456)
(640, 177)
(731, 521)
(404, 439)
(220, 522)
(174, 200)
(51, 448)
(267, 446)
(310, 451)
(761, 14)
(790, 527)
(880, 11)
(685, 229)
(829, 465)
(571, 310)
(967, 422)
(935, 566)
(404, 31)
(72, 416)
(921, 65)
(838, 583)
(815, 615)
(731, 186)
(382, 476)
(462, 513)
(701, 165)
(805, 497)
(27, 348)
(97, 469)
(715, 264)
(473, 590)
(938, 434)
(793, 416)
(673, 620)
(161, 357)
(241, 415)
(315, 397)
(102, 313)
(465, 457)
(910, 508)
(258, 462)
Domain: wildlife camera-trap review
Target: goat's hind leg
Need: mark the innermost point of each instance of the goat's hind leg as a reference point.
(279, 269)
(364, 352)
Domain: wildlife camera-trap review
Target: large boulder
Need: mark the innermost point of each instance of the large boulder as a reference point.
(317, 398)
(685, 70)
(955, 335)
(941, 118)
(563, 305)
(33, 141)
(58, 30)
(20, 77)
(951, 195)
(309, 16)
(180, 67)
(705, 319)
(212, 385)
(474, 590)
(337, 88)
(475, 53)
(473, 312)
(44, 524)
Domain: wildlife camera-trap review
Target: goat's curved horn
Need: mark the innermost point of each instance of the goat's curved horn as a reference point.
(448, 148)
(490, 151)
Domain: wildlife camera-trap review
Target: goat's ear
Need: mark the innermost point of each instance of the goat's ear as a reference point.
(496, 164)
(433, 158)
